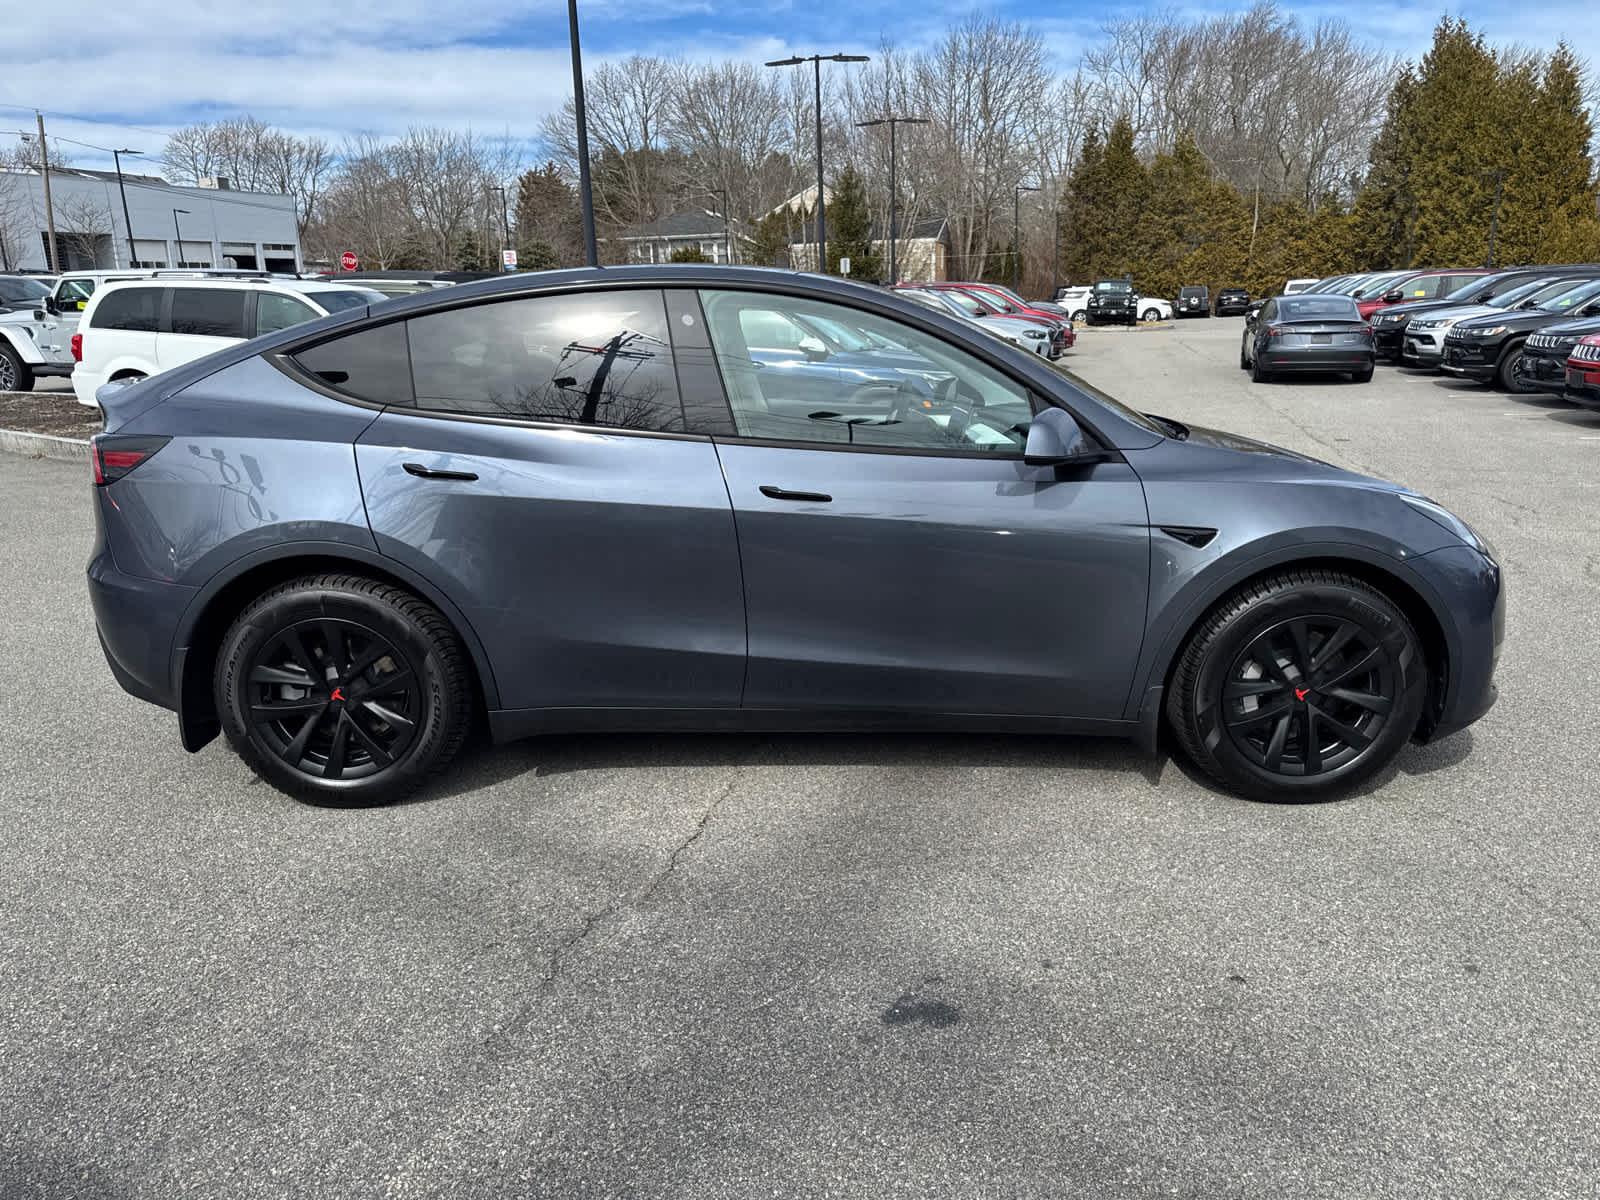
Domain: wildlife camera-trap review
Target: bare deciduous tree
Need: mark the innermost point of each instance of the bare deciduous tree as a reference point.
(254, 157)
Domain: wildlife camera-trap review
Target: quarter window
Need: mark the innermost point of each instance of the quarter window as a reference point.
(369, 364)
(843, 377)
(136, 309)
(598, 359)
(208, 312)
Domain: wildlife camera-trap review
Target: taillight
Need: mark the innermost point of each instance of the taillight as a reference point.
(1274, 331)
(77, 347)
(114, 456)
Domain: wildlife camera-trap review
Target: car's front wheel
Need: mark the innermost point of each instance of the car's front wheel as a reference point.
(1298, 686)
(1151, 314)
(1080, 316)
(343, 689)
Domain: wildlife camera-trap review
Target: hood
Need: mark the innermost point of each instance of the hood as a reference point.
(1263, 459)
(1463, 312)
(1580, 328)
(1517, 318)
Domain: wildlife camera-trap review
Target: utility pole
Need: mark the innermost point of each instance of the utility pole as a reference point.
(1494, 222)
(585, 192)
(816, 60)
(49, 212)
(127, 222)
(1016, 231)
(894, 192)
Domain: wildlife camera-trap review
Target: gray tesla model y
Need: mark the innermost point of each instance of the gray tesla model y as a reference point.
(654, 498)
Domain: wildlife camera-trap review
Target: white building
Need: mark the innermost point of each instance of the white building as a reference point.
(220, 227)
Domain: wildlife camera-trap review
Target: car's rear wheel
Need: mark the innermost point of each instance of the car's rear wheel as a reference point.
(1150, 314)
(1505, 373)
(1080, 316)
(1258, 373)
(15, 375)
(343, 689)
(1362, 376)
(1298, 686)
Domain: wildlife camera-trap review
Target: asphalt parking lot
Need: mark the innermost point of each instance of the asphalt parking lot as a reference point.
(828, 966)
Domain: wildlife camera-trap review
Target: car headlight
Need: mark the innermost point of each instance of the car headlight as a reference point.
(1440, 515)
(1495, 332)
(1033, 333)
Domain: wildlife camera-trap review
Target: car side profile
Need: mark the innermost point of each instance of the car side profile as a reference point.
(133, 329)
(579, 500)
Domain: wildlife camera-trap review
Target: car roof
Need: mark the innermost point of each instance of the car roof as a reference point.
(254, 283)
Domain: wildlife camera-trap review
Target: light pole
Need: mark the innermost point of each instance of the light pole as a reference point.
(505, 223)
(1494, 222)
(1016, 229)
(816, 60)
(586, 195)
(894, 195)
(178, 261)
(127, 222)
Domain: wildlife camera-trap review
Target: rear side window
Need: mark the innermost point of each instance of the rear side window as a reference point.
(598, 359)
(275, 312)
(369, 364)
(134, 309)
(208, 312)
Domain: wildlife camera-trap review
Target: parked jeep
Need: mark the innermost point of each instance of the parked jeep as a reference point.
(1113, 301)
(1194, 301)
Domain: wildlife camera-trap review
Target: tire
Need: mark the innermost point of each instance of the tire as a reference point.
(1080, 315)
(1239, 711)
(1150, 314)
(1258, 373)
(1244, 363)
(15, 375)
(276, 654)
(1362, 376)
(1504, 376)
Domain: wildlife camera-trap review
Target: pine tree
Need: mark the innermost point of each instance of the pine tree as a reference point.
(849, 228)
(1548, 212)
(1106, 198)
(770, 243)
(547, 213)
(688, 254)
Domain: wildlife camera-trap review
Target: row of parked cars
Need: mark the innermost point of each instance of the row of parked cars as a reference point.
(1521, 329)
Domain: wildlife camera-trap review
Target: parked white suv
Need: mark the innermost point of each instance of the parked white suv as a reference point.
(142, 327)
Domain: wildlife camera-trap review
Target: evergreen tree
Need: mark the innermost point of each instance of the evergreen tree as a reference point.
(770, 243)
(548, 215)
(688, 254)
(1548, 210)
(849, 229)
(1106, 198)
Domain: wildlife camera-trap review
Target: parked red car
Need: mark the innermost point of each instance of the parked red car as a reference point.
(1422, 285)
(1007, 303)
(987, 301)
(1583, 372)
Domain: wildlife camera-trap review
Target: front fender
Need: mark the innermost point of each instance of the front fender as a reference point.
(26, 348)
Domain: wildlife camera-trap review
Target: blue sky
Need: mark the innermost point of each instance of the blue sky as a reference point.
(126, 72)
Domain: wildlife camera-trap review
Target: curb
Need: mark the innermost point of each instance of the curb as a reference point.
(43, 445)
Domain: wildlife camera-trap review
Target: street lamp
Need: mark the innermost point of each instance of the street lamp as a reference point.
(505, 223)
(179, 233)
(127, 222)
(1499, 178)
(816, 60)
(894, 195)
(586, 195)
(1016, 229)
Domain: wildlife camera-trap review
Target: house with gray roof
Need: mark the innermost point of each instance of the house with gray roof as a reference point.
(693, 229)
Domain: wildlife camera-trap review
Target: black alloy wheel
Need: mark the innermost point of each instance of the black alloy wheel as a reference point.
(343, 689)
(1299, 685)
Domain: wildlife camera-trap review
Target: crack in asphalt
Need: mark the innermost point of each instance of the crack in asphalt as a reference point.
(563, 952)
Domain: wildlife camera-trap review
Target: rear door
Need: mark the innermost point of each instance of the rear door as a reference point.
(908, 560)
(541, 476)
(200, 320)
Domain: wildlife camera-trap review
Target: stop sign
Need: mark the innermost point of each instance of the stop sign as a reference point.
(348, 261)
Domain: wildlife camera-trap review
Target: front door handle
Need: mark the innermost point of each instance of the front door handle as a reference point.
(778, 493)
(422, 472)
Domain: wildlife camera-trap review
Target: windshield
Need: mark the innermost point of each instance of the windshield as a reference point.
(1514, 296)
(337, 301)
(1472, 287)
(1118, 286)
(1009, 295)
(15, 287)
(944, 301)
(964, 302)
(1572, 297)
(1374, 284)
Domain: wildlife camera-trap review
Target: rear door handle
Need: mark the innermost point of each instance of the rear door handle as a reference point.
(422, 472)
(778, 493)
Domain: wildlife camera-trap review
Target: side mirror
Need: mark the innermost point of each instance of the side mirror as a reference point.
(50, 304)
(1393, 296)
(1054, 438)
(813, 348)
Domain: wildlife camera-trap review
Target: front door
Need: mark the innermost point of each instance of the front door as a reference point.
(534, 465)
(906, 559)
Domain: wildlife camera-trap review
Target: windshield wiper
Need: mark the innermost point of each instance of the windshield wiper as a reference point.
(1174, 429)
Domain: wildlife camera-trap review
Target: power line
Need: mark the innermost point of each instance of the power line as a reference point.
(80, 117)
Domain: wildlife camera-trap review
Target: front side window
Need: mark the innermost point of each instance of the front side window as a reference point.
(275, 312)
(902, 389)
(601, 358)
(208, 312)
(137, 309)
(73, 294)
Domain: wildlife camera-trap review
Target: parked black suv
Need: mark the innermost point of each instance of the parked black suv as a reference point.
(1231, 301)
(1542, 365)
(1193, 301)
(1487, 348)
(1113, 300)
(1389, 324)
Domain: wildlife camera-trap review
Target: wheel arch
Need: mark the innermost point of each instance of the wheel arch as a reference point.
(25, 347)
(1405, 588)
(200, 632)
